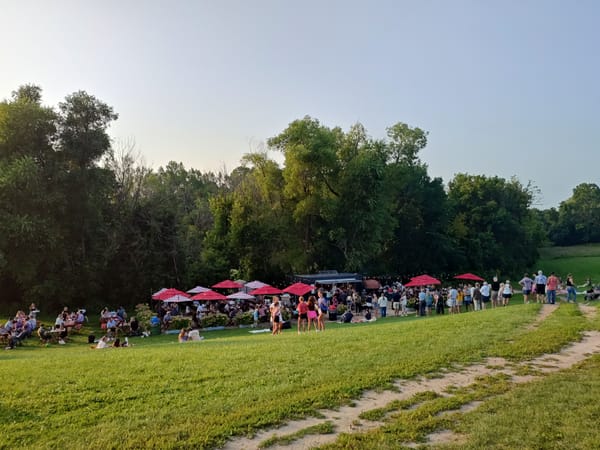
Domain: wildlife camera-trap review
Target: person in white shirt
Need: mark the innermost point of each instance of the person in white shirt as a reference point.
(540, 287)
(485, 294)
(382, 302)
(506, 293)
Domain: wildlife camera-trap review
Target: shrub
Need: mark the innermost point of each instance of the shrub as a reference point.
(241, 318)
(341, 308)
(143, 313)
(214, 320)
(180, 322)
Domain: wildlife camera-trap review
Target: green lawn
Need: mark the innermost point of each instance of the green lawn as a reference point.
(161, 394)
(583, 261)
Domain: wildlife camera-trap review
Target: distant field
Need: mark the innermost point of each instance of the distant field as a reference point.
(583, 261)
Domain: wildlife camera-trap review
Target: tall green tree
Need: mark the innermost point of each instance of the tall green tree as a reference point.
(578, 217)
(490, 223)
(310, 172)
(31, 200)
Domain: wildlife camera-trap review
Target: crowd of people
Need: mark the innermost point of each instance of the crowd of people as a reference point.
(310, 312)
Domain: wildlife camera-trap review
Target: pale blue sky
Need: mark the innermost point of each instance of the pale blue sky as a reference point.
(504, 87)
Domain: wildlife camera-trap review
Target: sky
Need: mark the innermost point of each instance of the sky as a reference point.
(504, 88)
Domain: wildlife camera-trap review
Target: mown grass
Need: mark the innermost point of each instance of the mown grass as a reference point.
(583, 261)
(558, 412)
(160, 394)
(167, 395)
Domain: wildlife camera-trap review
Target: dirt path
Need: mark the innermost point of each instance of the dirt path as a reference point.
(346, 419)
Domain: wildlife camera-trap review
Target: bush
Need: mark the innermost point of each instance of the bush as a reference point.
(180, 322)
(246, 318)
(214, 320)
(341, 308)
(143, 313)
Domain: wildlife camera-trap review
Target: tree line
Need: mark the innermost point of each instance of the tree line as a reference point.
(84, 222)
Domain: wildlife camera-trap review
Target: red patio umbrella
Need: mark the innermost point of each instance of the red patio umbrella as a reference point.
(227, 284)
(422, 280)
(266, 290)
(298, 289)
(168, 293)
(468, 276)
(209, 295)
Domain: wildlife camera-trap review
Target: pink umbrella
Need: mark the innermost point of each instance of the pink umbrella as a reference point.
(168, 293)
(176, 299)
(209, 295)
(241, 296)
(227, 284)
(266, 290)
(298, 289)
(198, 289)
(255, 284)
(468, 276)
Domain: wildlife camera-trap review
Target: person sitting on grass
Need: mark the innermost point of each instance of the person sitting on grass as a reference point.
(62, 333)
(134, 327)
(183, 336)
(194, 335)
(102, 343)
(44, 334)
(347, 316)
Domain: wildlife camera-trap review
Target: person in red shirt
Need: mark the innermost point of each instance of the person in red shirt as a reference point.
(302, 315)
(551, 286)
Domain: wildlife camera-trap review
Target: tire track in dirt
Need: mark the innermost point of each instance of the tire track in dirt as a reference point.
(346, 418)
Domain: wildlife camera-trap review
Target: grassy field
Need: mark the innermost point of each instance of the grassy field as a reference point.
(195, 395)
(161, 394)
(583, 261)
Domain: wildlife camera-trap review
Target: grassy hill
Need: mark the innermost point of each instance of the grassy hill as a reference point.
(161, 394)
(583, 261)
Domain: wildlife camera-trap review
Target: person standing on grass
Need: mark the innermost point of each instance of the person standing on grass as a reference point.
(485, 294)
(507, 292)
(404, 304)
(460, 297)
(540, 286)
(476, 294)
(452, 299)
(495, 287)
(526, 283)
(312, 312)
(439, 302)
(382, 303)
(302, 309)
(276, 315)
(551, 286)
(396, 302)
(571, 291)
(468, 297)
(321, 310)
